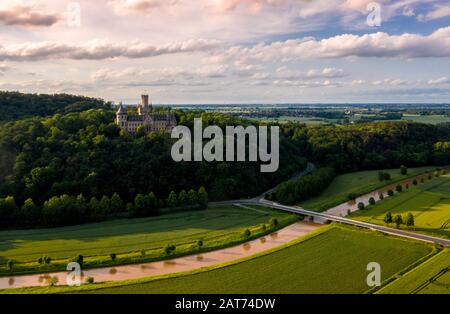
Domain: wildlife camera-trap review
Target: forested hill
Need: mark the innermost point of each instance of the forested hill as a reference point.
(85, 153)
(15, 105)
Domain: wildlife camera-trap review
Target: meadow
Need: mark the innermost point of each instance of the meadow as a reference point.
(333, 261)
(429, 119)
(429, 203)
(357, 183)
(216, 227)
(433, 276)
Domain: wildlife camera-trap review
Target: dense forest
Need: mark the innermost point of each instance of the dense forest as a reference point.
(85, 154)
(78, 161)
(15, 105)
(375, 145)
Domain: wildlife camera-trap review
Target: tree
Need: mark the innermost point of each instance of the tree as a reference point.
(172, 200)
(10, 264)
(169, 249)
(192, 197)
(403, 170)
(202, 197)
(94, 208)
(371, 201)
(415, 182)
(273, 222)
(388, 218)
(53, 281)
(113, 256)
(31, 212)
(152, 204)
(90, 280)
(399, 188)
(361, 206)
(139, 205)
(391, 193)
(410, 220)
(105, 205)
(381, 196)
(183, 198)
(7, 208)
(398, 220)
(79, 259)
(247, 233)
(116, 204)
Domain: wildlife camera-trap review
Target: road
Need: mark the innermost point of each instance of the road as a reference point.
(384, 229)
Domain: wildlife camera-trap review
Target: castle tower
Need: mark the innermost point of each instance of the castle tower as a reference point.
(121, 116)
(144, 108)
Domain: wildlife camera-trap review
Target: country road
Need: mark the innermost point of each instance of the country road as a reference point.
(384, 229)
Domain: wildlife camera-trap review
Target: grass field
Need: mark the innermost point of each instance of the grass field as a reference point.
(429, 119)
(216, 226)
(429, 202)
(361, 182)
(334, 261)
(433, 276)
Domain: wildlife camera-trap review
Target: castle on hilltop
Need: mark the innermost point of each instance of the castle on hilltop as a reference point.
(146, 117)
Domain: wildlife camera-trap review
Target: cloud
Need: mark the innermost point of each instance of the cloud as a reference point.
(123, 7)
(374, 45)
(158, 77)
(252, 6)
(286, 73)
(99, 50)
(25, 15)
(438, 12)
(3, 68)
(439, 81)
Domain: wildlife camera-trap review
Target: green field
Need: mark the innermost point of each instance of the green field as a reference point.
(361, 182)
(429, 202)
(216, 226)
(334, 261)
(429, 119)
(432, 276)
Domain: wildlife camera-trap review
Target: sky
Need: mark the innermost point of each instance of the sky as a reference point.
(229, 51)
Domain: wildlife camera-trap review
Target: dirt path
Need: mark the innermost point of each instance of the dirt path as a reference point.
(176, 265)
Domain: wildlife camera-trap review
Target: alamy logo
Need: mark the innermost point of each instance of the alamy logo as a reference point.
(74, 274)
(374, 277)
(183, 150)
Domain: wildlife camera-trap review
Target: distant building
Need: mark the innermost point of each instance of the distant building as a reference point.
(151, 121)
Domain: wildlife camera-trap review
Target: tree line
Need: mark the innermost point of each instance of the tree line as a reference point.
(68, 210)
(15, 105)
(305, 187)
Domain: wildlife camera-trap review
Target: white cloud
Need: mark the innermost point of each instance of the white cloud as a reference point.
(99, 50)
(439, 81)
(377, 45)
(26, 15)
(122, 7)
(438, 12)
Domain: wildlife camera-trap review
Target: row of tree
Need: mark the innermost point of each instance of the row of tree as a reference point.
(305, 187)
(68, 210)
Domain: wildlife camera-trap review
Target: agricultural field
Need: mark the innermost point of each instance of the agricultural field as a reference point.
(333, 261)
(429, 203)
(429, 119)
(216, 226)
(359, 183)
(431, 277)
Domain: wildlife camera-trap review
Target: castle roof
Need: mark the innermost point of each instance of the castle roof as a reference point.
(121, 110)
